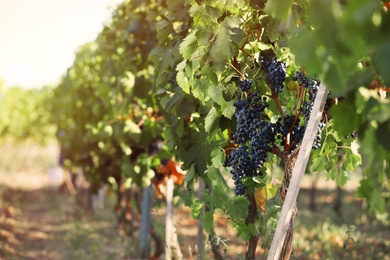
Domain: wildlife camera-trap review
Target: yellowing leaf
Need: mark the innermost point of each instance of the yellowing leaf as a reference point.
(263, 194)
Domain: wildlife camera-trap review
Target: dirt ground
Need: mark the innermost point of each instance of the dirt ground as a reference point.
(39, 222)
(44, 223)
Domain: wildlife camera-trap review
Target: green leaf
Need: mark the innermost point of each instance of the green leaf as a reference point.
(211, 119)
(332, 174)
(382, 135)
(262, 46)
(345, 118)
(216, 94)
(200, 89)
(196, 207)
(244, 231)
(219, 184)
(208, 221)
(179, 128)
(365, 189)
(220, 196)
(278, 8)
(210, 74)
(351, 160)
(377, 201)
(190, 175)
(341, 178)
(225, 45)
(188, 45)
(181, 65)
(382, 60)
(228, 109)
(183, 81)
(204, 15)
(239, 208)
(217, 157)
(319, 163)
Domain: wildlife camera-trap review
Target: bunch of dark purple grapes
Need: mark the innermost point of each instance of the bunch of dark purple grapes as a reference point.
(312, 86)
(290, 131)
(276, 72)
(254, 137)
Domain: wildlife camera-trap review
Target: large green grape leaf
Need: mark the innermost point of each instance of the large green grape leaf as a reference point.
(183, 81)
(225, 45)
(345, 118)
(216, 94)
(279, 8)
(239, 208)
(211, 119)
(382, 60)
(208, 221)
(188, 45)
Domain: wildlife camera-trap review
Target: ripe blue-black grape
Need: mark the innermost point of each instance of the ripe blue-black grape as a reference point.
(276, 72)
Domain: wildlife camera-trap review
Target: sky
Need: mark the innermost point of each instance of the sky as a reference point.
(39, 38)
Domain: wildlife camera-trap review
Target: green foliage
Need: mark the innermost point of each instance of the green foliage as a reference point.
(108, 121)
(24, 115)
(349, 64)
(168, 70)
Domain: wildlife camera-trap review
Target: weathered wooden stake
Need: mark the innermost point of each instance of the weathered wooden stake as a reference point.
(172, 248)
(289, 205)
(146, 222)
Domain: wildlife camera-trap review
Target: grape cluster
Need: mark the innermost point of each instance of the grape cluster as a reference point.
(248, 114)
(306, 108)
(260, 144)
(312, 86)
(242, 166)
(317, 140)
(291, 131)
(256, 135)
(245, 85)
(276, 72)
(253, 135)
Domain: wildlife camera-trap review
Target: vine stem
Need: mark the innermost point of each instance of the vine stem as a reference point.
(276, 99)
(299, 170)
(251, 219)
(275, 150)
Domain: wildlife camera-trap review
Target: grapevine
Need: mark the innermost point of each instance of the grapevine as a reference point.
(256, 135)
(183, 67)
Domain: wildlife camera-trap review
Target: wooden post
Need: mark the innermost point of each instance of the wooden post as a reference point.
(172, 248)
(144, 231)
(289, 208)
(200, 237)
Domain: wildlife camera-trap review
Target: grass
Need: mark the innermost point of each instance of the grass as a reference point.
(17, 157)
(325, 234)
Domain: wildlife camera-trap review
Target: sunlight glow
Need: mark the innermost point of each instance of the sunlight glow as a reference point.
(38, 39)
